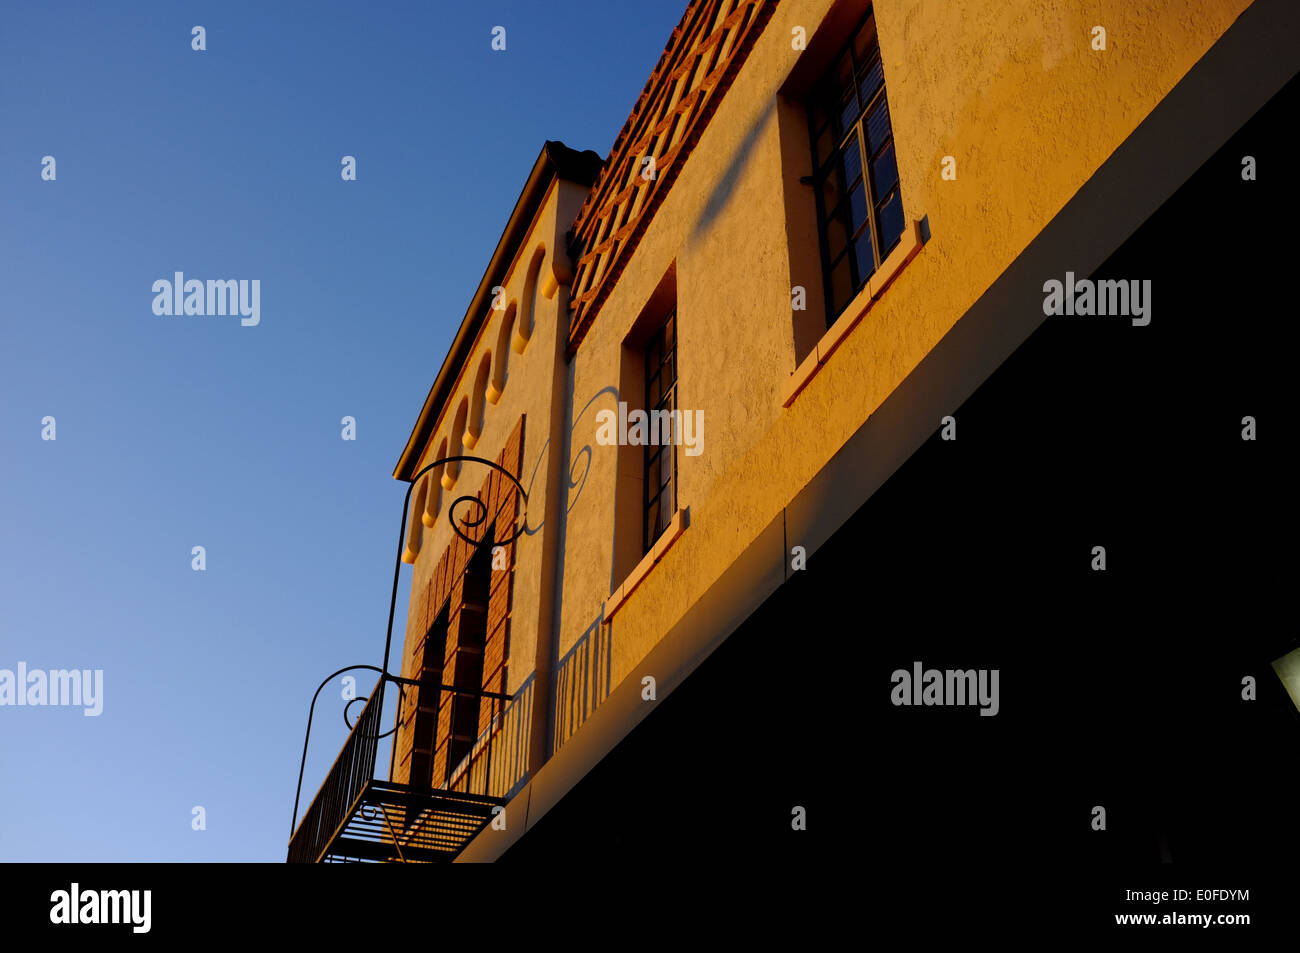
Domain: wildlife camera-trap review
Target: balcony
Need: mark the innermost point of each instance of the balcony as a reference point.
(358, 818)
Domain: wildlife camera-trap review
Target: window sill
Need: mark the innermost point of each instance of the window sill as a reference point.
(681, 519)
(909, 244)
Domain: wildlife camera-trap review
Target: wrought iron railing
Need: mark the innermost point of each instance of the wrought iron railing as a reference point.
(352, 770)
(355, 816)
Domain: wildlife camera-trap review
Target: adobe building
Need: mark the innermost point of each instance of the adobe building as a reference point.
(686, 367)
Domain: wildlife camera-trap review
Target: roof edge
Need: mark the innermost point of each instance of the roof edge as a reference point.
(556, 160)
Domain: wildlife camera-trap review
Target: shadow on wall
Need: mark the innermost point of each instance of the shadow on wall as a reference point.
(576, 481)
(499, 759)
(582, 679)
(731, 177)
(497, 764)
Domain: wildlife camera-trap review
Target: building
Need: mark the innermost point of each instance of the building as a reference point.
(686, 368)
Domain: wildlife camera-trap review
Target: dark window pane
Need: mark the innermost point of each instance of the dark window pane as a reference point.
(841, 284)
(661, 374)
(651, 468)
(652, 522)
(842, 77)
(654, 425)
(866, 262)
(878, 126)
(832, 189)
(827, 104)
(870, 80)
(864, 43)
(884, 171)
(851, 161)
(848, 110)
(837, 233)
(890, 220)
(857, 207)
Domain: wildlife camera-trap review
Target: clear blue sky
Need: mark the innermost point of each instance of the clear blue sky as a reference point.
(180, 431)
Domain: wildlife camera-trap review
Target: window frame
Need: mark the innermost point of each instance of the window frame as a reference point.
(653, 450)
(824, 169)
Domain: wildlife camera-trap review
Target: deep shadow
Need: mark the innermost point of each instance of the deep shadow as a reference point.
(1119, 688)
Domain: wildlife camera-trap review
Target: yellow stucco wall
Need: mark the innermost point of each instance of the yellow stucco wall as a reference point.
(1012, 90)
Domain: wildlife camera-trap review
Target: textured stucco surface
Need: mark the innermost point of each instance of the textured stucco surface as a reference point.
(1029, 110)
(1012, 90)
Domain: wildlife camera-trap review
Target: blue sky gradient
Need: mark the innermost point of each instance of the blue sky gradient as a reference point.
(180, 431)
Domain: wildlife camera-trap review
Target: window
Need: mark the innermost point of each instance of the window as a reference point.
(645, 492)
(428, 669)
(859, 208)
(660, 471)
(466, 659)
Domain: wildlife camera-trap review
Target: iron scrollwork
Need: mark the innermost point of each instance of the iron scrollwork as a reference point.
(385, 676)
